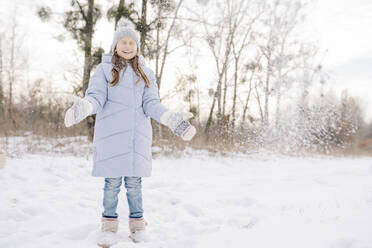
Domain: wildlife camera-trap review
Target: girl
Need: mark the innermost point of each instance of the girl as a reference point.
(123, 94)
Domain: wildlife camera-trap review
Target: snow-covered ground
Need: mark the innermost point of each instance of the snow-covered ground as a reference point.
(255, 201)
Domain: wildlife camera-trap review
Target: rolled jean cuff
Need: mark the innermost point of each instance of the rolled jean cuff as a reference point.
(109, 217)
(136, 218)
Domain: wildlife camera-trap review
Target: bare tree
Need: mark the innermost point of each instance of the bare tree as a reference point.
(287, 56)
(143, 24)
(11, 71)
(278, 49)
(242, 39)
(14, 65)
(218, 35)
(164, 32)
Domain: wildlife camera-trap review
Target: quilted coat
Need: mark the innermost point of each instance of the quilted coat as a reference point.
(123, 133)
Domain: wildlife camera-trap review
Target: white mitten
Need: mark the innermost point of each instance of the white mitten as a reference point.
(78, 112)
(178, 124)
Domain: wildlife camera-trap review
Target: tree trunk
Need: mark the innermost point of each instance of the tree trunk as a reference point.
(210, 117)
(277, 114)
(88, 45)
(88, 60)
(259, 104)
(144, 24)
(224, 95)
(219, 95)
(267, 94)
(118, 12)
(12, 71)
(234, 96)
(248, 98)
(157, 52)
(216, 97)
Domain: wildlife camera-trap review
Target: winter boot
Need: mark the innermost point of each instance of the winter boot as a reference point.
(108, 234)
(137, 228)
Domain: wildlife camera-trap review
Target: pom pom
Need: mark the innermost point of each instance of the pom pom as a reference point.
(125, 23)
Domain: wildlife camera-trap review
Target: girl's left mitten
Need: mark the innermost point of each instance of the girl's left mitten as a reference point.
(78, 112)
(178, 123)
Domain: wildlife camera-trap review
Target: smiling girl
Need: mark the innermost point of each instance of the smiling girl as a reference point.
(123, 94)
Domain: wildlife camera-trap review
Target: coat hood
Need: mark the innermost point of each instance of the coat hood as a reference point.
(106, 58)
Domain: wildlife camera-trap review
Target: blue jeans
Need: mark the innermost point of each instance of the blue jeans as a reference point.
(134, 196)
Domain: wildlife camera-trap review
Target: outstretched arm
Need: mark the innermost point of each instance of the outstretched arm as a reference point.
(93, 102)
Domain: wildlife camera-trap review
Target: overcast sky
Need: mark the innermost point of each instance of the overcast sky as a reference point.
(341, 27)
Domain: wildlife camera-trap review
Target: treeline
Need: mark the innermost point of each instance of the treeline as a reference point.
(330, 126)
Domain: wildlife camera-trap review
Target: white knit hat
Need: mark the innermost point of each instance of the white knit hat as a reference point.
(124, 28)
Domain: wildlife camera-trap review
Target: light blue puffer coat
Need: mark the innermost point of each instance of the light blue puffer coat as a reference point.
(123, 133)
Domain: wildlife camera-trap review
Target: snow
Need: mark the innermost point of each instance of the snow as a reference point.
(200, 200)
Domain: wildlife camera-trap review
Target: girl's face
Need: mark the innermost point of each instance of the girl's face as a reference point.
(126, 48)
